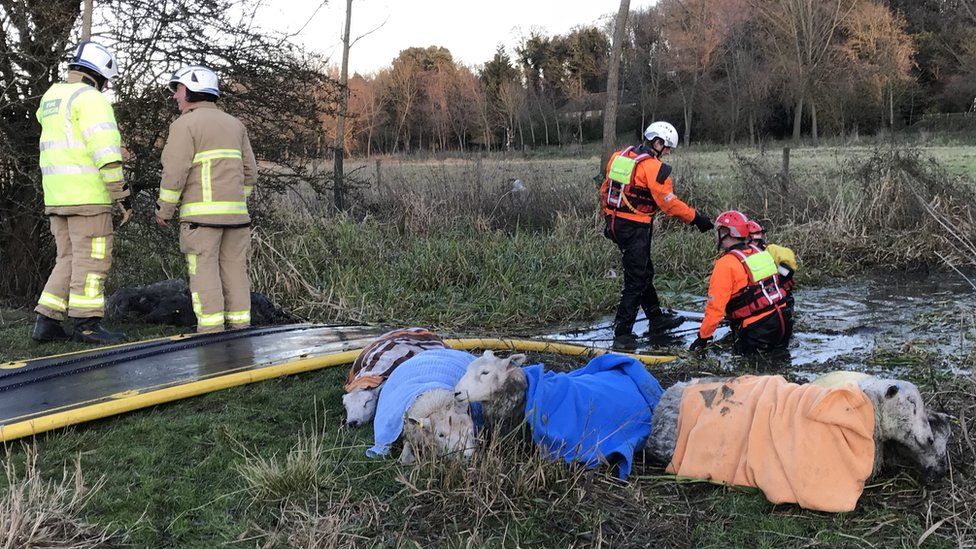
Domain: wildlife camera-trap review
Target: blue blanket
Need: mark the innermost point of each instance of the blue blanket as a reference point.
(600, 413)
(434, 369)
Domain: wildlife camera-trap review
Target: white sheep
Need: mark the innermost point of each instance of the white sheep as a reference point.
(597, 414)
(899, 414)
(417, 403)
(435, 421)
(376, 363)
(500, 384)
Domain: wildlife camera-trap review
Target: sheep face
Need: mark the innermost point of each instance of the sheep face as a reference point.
(902, 419)
(447, 431)
(934, 463)
(485, 376)
(360, 406)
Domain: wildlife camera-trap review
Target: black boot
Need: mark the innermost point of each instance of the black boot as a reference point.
(48, 329)
(663, 322)
(90, 330)
(624, 342)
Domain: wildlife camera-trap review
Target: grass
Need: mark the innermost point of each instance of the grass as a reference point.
(35, 512)
(449, 244)
(269, 465)
(446, 244)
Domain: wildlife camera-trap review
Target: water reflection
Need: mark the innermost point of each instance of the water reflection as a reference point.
(838, 325)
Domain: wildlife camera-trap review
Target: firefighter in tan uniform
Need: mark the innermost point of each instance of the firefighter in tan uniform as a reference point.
(81, 171)
(209, 168)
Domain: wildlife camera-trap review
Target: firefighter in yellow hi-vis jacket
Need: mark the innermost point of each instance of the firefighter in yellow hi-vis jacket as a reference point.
(209, 167)
(81, 171)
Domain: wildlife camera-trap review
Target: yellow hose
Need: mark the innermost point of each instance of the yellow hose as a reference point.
(133, 400)
(544, 346)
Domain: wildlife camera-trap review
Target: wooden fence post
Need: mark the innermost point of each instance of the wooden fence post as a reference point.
(478, 174)
(379, 179)
(785, 174)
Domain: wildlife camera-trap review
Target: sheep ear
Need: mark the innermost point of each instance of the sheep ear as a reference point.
(938, 419)
(488, 354)
(515, 361)
(892, 391)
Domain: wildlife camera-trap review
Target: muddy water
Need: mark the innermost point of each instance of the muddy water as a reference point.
(847, 325)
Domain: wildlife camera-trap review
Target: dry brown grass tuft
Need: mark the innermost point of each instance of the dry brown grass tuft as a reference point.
(950, 512)
(49, 514)
(336, 521)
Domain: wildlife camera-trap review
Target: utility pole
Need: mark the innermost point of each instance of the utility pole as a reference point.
(613, 85)
(86, 21)
(340, 142)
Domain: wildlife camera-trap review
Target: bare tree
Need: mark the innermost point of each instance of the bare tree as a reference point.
(339, 147)
(86, 20)
(34, 39)
(613, 85)
(695, 31)
(277, 90)
(879, 52)
(803, 37)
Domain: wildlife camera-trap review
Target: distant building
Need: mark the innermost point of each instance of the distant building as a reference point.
(591, 106)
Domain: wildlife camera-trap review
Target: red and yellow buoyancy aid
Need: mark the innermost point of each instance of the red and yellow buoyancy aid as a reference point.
(620, 191)
(637, 186)
(767, 287)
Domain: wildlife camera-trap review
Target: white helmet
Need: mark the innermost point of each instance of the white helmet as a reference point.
(665, 131)
(96, 57)
(196, 78)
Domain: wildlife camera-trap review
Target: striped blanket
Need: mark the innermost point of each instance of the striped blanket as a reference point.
(382, 356)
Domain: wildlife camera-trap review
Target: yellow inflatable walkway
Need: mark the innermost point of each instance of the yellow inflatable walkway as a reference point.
(49, 393)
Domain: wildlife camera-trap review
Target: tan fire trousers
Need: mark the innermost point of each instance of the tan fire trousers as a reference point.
(216, 259)
(77, 283)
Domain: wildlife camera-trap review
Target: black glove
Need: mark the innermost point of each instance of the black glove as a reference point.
(700, 344)
(703, 223)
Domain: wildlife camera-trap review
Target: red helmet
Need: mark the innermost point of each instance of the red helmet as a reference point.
(755, 229)
(735, 221)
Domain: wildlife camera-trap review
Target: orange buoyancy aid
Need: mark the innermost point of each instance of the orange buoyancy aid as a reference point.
(621, 192)
(766, 290)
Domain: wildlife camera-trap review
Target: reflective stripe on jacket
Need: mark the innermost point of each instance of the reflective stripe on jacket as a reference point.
(79, 135)
(653, 188)
(209, 166)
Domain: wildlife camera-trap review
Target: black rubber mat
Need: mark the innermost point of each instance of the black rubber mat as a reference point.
(47, 385)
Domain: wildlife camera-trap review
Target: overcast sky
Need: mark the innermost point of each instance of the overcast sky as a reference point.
(470, 29)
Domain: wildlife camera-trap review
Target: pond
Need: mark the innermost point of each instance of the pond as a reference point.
(850, 324)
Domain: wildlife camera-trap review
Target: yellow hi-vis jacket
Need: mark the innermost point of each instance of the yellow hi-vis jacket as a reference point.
(81, 150)
(209, 166)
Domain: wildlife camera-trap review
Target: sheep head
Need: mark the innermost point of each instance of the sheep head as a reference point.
(933, 462)
(360, 405)
(485, 376)
(901, 418)
(447, 430)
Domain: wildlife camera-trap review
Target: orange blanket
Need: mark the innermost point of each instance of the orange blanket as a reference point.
(797, 443)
